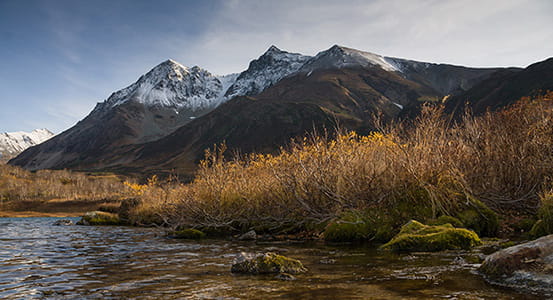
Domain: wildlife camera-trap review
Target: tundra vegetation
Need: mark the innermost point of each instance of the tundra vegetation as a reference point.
(59, 192)
(489, 173)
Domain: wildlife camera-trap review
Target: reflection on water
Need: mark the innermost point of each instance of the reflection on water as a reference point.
(38, 260)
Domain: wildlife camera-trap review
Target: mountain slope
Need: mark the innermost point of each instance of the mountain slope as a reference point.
(165, 98)
(171, 114)
(318, 100)
(505, 87)
(13, 143)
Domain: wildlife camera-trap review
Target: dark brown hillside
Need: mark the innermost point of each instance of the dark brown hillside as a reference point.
(505, 87)
(294, 107)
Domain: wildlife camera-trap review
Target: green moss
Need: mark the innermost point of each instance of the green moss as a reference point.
(544, 225)
(446, 220)
(189, 234)
(524, 225)
(480, 218)
(415, 204)
(268, 263)
(507, 244)
(99, 218)
(352, 226)
(415, 236)
(361, 225)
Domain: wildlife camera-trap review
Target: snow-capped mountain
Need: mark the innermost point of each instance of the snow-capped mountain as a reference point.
(342, 57)
(13, 143)
(265, 71)
(172, 85)
(174, 109)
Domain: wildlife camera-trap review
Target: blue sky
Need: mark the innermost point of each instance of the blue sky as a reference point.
(59, 58)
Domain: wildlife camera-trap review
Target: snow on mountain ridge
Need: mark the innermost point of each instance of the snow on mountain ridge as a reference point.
(265, 71)
(171, 84)
(340, 57)
(15, 142)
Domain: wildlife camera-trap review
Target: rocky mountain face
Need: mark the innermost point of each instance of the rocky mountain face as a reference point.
(169, 117)
(13, 143)
(265, 71)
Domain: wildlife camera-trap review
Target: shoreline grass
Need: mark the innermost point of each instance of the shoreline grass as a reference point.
(421, 170)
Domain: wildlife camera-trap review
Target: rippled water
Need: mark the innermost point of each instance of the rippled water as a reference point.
(41, 261)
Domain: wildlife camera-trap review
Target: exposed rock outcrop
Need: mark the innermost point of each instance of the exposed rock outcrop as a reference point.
(525, 266)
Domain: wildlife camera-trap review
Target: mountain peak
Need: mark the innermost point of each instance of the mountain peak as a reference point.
(265, 71)
(337, 47)
(341, 57)
(12, 143)
(170, 84)
(273, 49)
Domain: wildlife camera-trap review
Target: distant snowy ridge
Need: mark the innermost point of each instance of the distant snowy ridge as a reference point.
(265, 71)
(15, 142)
(342, 57)
(173, 85)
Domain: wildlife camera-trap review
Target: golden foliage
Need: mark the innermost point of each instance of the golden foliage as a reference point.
(501, 158)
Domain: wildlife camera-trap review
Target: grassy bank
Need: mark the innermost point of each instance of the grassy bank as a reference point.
(58, 193)
(473, 170)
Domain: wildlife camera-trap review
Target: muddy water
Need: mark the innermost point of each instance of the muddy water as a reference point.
(41, 261)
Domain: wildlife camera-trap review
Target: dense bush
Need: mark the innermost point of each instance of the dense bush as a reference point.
(424, 169)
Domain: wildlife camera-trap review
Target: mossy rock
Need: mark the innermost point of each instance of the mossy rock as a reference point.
(446, 220)
(351, 226)
(99, 218)
(544, 226)
(267, 263)
(188, 233)
(480, 218)
(361, 225)
(415, 236)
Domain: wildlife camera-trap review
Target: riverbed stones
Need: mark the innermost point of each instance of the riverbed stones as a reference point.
(528, 265)
(266, 263)
(285, 277)
(415, 236)
(63, 222)
(248, 236)
(99, 218)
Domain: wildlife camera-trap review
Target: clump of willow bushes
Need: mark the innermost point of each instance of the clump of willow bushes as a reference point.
(423, 169)
(17, 184)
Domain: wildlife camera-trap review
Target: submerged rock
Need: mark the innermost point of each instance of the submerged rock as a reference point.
(285, 277)
(99, 218)
(528, 265)
(63, 222)
(189, 234)
(415, 236)
(248, 236)
(266, 263)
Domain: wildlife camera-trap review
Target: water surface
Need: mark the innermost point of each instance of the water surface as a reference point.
(41, 261)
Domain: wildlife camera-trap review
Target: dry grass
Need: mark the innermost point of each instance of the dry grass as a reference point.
(58, 191)
(502, 159)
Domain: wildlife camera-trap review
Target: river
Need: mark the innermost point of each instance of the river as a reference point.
(42, 261)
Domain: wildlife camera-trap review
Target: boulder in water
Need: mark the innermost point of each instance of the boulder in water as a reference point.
(99, 218)
(266, 263)
(415, 236)
(526, 266)
(63, 222)
(248, 236)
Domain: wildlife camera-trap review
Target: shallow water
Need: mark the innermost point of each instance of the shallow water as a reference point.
(41, 261)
